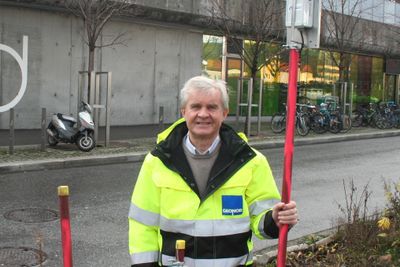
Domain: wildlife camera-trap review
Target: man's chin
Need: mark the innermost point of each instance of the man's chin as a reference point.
(203, 134)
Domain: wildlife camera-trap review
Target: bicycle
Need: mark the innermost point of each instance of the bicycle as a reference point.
(278, 121)
(369, 116)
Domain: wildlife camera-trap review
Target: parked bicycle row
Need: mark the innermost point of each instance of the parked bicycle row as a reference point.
(382, 115)
(317, 118)
(329, 116)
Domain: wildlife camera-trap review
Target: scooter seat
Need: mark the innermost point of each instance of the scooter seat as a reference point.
(66, 117)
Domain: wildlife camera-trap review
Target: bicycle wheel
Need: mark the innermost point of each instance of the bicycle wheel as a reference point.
(278, 122)
(372, 119)
(381, 121)
(334, 124)
(397, 125)
(357, 120)
(318, 124)
(346, 123)
(397, 119)
(303, 125)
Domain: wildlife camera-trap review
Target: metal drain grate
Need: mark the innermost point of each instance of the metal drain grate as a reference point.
(32, 215)
(21, 257)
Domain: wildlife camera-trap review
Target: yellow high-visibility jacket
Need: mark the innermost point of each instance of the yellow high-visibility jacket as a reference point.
(166, 205)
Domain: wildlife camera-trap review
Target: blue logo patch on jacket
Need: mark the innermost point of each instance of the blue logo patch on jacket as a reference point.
(232, 205)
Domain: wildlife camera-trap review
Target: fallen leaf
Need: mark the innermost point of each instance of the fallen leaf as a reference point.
(385, 258)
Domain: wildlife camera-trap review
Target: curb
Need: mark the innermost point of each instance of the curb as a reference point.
(325, 139)
(51, 164)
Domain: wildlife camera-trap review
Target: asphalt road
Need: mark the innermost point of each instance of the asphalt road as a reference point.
(100, 196)
(321, 171)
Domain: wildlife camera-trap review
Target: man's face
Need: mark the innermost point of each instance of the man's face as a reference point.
(204, 114)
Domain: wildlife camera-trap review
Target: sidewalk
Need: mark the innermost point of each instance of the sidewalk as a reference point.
(30, 157)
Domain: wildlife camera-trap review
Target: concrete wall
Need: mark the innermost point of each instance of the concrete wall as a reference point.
(148, 70)
(163, 48)
(189, 6)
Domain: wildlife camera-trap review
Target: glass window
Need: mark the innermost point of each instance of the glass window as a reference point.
(386, 11)
(390, 8)
(378, 10)
(335, 6)
(353, 7)
(367, 9)
(325, 4)
(376, 79)
(366, 74)
(212, 56)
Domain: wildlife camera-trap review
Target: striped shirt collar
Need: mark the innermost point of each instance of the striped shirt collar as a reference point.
(192, 149)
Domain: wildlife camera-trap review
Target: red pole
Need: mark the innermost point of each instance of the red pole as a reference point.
(63, 194)
(289, 149)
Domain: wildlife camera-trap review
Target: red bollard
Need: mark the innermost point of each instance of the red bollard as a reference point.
(63, 194)
(180, 251)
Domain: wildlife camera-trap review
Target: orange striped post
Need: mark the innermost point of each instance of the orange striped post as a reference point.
(63, 194)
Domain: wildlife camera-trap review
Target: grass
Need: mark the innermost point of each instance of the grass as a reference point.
(361, 240)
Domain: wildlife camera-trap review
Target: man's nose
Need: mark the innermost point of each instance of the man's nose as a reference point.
(203, 112)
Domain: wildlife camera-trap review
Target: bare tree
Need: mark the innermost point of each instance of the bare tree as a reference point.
(95, 15)
(341, 19)
(257, 21)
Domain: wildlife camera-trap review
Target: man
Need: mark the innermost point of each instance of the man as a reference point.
(204, 184)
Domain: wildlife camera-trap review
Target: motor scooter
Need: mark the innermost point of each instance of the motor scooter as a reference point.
(64, 128)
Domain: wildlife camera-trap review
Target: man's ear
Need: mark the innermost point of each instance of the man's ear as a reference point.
(182, 112)
(226, 112)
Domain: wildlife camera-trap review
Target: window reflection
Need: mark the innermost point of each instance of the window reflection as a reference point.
(397, 14)
(318, 76)
(212, 52)
(386, 11)
(390, 8)
(378, 10)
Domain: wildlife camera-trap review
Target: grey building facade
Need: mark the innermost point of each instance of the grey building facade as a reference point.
(162, 49)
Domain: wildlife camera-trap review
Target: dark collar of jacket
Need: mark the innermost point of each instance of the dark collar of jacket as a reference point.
(233, 154)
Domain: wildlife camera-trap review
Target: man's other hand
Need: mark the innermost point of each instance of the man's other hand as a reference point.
(285, 214)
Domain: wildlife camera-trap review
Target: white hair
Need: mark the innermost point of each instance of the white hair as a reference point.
(202, 83)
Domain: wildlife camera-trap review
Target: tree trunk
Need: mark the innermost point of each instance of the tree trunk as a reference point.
(344, 65)
(90, 69)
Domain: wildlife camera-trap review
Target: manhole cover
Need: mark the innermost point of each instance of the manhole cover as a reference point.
(21, 257)
(31, 215)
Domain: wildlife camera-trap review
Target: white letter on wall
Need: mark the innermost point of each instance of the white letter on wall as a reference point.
(23, 65)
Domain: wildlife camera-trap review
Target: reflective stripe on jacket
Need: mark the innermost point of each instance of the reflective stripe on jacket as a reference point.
(166, 204)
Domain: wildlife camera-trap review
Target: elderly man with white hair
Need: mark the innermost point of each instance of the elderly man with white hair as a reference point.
(205, 185)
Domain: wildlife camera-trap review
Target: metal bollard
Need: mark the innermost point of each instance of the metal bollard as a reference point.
(44, 134)
(12, 133)
(161, 118)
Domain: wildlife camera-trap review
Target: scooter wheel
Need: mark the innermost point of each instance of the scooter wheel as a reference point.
(51, 140)
(85, 143)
